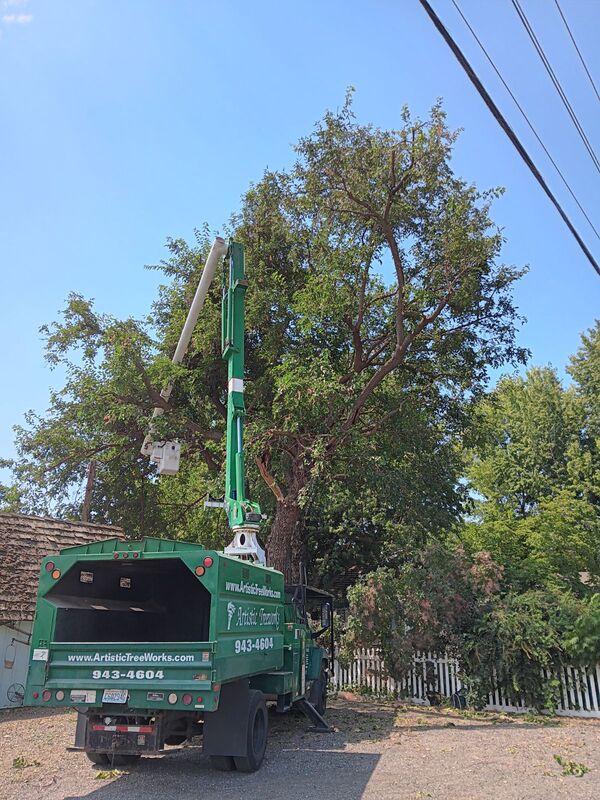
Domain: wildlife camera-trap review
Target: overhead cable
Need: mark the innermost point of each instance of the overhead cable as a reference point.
(506, 128)
(556, 82)
(527, 120)
(581, 58)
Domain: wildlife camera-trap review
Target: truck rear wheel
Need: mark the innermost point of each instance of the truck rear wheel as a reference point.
(223, 763)
(112, 759)
(100, 759)
(118, 760)
(175, 738)
(256, 740)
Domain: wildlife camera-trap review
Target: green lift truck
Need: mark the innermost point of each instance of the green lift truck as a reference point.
(157, 641)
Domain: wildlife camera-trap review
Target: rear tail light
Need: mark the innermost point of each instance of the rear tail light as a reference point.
(56, 574)
(46, 695)
(49, 566)
(208, 562)
(200, 571)
(172, 698)
(115, 555)
(36, 695)
(187, 699)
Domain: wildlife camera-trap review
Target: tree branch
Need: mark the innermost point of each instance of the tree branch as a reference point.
(397, 356)
(269, 479)
(153, 393)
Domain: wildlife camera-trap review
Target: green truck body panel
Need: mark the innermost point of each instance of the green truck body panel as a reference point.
(114, 583)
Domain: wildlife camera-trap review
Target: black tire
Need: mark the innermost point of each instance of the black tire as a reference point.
(258, 730)
(100, 759)
(118, 760)
(318, 693)
(222, 763)
(175, 739)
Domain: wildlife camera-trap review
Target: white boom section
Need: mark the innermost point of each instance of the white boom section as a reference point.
(245, 545)
(217, 251)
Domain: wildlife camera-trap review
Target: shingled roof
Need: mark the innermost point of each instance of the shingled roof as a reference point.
(24, 541)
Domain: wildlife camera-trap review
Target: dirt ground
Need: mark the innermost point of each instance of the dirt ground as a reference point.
(377, 751)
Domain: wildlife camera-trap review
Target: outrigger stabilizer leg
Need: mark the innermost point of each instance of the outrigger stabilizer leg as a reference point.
(310, 712)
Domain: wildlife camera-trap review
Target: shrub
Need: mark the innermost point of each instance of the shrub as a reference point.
(428, 605)
(515, 643)
(583, 643)
(446, 602)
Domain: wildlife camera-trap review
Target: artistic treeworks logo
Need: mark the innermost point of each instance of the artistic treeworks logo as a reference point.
(253, 589)
(250, 617)
(231, 607)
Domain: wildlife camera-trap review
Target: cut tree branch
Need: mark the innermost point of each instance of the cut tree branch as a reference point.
(269, 479)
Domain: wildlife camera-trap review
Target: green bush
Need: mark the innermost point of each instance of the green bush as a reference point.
(516, 643)
(583, 644)
(446, 602)
(429, 604)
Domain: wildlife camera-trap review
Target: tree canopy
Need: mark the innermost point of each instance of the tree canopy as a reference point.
(377, 304)
(535, 472)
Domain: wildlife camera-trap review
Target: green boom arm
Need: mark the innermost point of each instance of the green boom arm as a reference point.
(241, 513)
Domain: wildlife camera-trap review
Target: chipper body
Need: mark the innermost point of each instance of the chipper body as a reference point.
(156, 641)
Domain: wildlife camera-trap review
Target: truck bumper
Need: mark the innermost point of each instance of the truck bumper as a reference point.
(126, 739)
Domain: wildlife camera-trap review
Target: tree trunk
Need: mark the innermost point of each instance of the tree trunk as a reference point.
(285, 546)
(89, 488)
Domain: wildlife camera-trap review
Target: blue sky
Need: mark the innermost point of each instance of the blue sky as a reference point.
(123, 122)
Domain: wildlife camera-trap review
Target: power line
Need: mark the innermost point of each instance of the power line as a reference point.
(581, 58)
(506, 127)
(527, 120)
(556, 82)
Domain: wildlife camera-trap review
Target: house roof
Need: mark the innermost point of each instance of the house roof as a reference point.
(24, 541)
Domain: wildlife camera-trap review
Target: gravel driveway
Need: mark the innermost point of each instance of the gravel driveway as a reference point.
(378, 751)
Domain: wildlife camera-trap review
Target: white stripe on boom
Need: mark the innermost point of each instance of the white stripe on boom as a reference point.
(236, 385)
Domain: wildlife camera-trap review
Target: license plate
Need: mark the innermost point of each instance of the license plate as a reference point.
(114, 696)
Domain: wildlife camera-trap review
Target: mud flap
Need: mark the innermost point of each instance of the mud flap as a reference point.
(80, 732)
(226, 729)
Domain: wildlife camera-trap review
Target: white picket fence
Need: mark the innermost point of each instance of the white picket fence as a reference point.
(579, 692)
